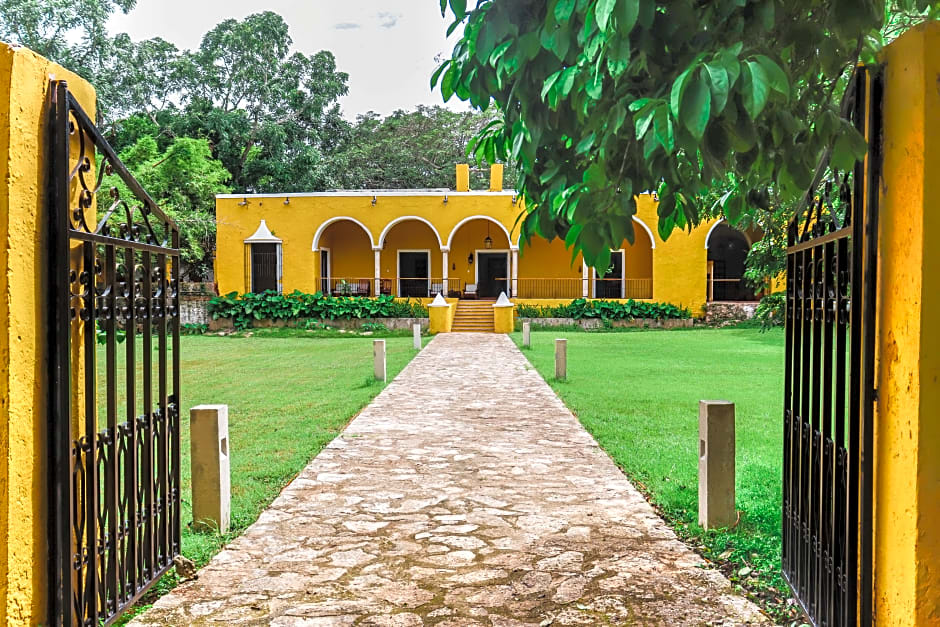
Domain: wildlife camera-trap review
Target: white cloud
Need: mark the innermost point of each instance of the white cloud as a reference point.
(388, 54)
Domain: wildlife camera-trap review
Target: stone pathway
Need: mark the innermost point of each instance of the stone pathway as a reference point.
(465, 494)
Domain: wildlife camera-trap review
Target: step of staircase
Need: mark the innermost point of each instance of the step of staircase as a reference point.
(473, 317)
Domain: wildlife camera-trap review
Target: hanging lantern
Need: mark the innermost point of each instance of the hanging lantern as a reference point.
(488, 242)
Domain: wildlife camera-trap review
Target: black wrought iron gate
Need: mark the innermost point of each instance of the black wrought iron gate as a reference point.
(114, 336)
(829, 389)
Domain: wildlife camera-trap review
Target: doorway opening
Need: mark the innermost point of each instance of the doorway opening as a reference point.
(414, 273)
(492, 273)
(610, 285)
(263, 267)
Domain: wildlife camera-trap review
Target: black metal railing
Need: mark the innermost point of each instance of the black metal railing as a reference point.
(115, 410)
(829, 381)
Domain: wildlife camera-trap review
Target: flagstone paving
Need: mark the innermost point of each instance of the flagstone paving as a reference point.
(464, 494)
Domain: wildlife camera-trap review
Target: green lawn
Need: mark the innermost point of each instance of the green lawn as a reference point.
(638, 392)
(288, 396)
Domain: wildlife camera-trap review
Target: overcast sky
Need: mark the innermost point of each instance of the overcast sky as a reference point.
(386, 47)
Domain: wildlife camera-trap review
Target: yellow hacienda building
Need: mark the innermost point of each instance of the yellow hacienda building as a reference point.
(463, 243)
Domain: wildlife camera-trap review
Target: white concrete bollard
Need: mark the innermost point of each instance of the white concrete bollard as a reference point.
(378, 354)
(417, 333)
(527, 334)
(716, 464)
(209, 465)
(561, 359)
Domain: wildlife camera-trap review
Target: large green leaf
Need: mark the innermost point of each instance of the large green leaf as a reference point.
(720, 86)
(678, 90)
(564, 9)
(627, 12)
(695, 109)
(602, 12)
(776, 77)
(756, 90)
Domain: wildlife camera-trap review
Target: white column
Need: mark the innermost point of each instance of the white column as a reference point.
(584, 279)
(378, 270)
(515, 272)
(445, 253)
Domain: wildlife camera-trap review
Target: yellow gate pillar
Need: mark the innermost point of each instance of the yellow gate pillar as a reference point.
(24, 351)
(907, 422)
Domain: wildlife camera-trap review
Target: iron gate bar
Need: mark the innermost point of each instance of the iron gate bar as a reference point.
(114, 513)
(831, 260)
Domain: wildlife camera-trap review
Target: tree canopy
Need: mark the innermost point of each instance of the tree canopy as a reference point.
(410, 149)
(603, 99)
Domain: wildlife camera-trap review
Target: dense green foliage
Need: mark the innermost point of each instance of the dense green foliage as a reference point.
(771, 311)
(605, 310)
(411, 149)
(183, 180)
(270, 116)
(653, 435)
(271, 305)
(602, 99)
(71, 32)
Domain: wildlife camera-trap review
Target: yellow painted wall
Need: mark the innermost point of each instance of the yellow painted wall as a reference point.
(907, 423)
(542, 259)
(638, 257)
(24, 87)
(678, 267)
(351, 254)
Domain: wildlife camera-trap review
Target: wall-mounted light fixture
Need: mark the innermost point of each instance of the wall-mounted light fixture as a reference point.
(287, 201)
(453, 266)
(470, 259)
(374, 200)
(243, 202)
(445, 199)
(514, 199)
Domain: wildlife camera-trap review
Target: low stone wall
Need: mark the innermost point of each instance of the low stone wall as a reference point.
(724, 313)
(597, 323)
(194, 302)
(393, 324)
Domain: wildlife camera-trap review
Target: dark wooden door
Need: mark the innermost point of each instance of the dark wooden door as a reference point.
(493, 272)
(263, 267)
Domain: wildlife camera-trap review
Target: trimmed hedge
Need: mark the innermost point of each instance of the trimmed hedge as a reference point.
(244, 308)
(605, 310)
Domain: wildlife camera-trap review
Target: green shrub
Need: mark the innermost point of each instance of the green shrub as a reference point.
(193, 329)
(244, 308)
(605, 310)
(771, 310)
(373, 326)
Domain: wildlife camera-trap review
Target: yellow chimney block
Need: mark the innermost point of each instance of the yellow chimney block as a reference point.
(463, 177)
(496, 177)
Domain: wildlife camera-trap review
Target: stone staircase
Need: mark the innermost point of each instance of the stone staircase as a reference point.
(473, 316)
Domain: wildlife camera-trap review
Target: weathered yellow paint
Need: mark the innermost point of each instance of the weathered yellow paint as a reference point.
(907, 428)
(24, 85)
(503, 319)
